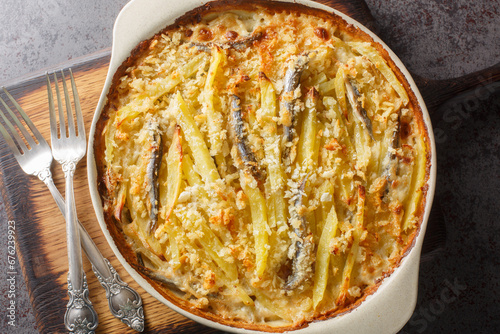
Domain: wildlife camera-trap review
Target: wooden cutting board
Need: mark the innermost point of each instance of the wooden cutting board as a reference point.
(41, 242)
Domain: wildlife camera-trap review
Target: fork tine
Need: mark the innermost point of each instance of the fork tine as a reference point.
(28, 121)
(69, 112)
(62, 125)
(13, 131)
(78, 108)
(6, 135)
(9, 140)
(20, 126)
(52, 110)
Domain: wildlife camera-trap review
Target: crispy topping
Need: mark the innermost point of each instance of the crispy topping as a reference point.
(321, 33)
(231, 35)
(205, 35)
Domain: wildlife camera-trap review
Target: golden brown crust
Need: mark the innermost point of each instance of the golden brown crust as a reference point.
(195, 16)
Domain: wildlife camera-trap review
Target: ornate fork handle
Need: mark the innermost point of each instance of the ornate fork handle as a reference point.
(124, 302)
(80, 316)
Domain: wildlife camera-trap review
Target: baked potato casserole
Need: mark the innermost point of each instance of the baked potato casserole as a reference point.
(262, 164)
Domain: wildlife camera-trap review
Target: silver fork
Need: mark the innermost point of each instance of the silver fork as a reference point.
(68, 148)
(36, 159)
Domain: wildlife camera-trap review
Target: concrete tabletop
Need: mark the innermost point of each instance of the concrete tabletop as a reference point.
(435, 39)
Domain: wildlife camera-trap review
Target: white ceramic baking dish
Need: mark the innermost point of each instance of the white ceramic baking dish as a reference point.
(385, 311)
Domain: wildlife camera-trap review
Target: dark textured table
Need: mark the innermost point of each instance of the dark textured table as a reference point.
(459, 288)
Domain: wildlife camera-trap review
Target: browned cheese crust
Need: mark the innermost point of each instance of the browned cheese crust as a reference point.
(262, 165)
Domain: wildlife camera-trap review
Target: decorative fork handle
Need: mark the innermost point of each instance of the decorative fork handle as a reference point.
(80, 315)
(124, 302)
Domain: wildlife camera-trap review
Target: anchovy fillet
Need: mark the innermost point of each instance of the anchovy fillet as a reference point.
(292, 82)
(152, 171)
(302, 248)
(353, 95)
(246, 154)
(237, 45)
(157, 276)
(245, 42)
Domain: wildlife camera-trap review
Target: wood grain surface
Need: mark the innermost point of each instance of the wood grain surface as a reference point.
(41, 242)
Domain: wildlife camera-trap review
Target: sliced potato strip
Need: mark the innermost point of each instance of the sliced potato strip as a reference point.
(174, 173)
(323, 256)
(259, 221)
(204, 162)
(353, 253)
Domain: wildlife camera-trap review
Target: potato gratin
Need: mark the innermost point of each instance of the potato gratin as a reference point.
(263, 166)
